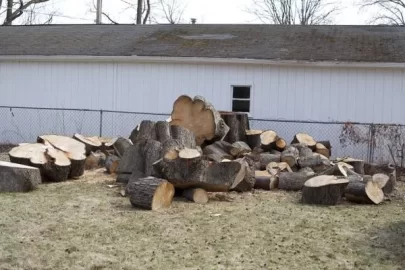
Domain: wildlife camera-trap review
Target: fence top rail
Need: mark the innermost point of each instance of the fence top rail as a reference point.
(168, 114)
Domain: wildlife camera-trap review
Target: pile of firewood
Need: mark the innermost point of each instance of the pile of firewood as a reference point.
(199, 150)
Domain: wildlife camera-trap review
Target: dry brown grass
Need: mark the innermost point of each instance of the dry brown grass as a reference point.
(84, 224)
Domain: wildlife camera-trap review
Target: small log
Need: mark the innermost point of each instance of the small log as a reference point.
(321, 149)
(327, 145)
(188, 111)
(280, 145)
(324, 190)
(95, 160)
(265, 181)
(316, 163)
(220, 148)
(197, 195)
(290, 155)
(18, 178)
(239, 149)
(364, 192)
(265, 159)
(268, 139)
(111, 164)
(253, 138)
(357, 164)
(389, 169)
(150, 193)
(92, 143)
(238, 123)
(293, 180)
(303, 138)
(120, 145)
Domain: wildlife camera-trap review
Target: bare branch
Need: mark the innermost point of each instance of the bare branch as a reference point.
(13, 15)
(390, 11)
(109, 18)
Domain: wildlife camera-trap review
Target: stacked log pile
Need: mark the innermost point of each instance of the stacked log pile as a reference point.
(200, 150)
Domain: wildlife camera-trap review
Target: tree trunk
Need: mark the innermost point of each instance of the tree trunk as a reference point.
(238, 123)
(120, 145)
(303, 138)
(146, 131)
(185, 136)
(18, 178)
(371, 169)
(265, 181)
(95, 160)
(253, 138)
(316, 163)
(187, 112)
(163, 132)
(321, 149)
(92, 144)
(220, 148)
(293, 180)
(290, 156)
(358, 165)
(134, 134)
(303, 150)
(324, 190)
(197, 195)
(249, 180)
(139, 10)
(111, 164)
(151, 153)
(280, 145)
(75, 151)
(266, 159)
(364, 192)
(150, 193)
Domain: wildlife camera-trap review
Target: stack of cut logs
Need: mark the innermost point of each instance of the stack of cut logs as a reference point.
(201, 150)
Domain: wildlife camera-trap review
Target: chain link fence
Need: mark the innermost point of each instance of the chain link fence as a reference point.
(381, 143)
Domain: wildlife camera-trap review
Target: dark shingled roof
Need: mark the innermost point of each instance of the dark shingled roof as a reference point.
(276, 42)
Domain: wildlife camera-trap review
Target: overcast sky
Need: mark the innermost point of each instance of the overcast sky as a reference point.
(206, 11)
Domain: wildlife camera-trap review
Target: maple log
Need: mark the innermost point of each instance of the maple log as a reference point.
(199, 116)
(266, 158)
(324, 190)
(316, 163)
(327, 145)
(321, 149)
(150, 193)
(268, 140)
(239, 149)
(238, 123)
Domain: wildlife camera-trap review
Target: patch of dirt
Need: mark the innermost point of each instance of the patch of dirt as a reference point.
(87, 224)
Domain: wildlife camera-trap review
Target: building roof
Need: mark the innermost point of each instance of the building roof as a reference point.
(266, 42)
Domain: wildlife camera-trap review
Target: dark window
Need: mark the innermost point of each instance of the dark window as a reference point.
(241, 99)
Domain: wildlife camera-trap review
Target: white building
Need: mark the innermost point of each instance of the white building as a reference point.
(310, 73)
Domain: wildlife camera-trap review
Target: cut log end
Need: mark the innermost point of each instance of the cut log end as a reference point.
(324, 190)
(364, 192)
(197, 195)
(303, 138)
(188, 153)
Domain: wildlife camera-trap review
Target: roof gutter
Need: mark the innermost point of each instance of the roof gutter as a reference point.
(196, 60)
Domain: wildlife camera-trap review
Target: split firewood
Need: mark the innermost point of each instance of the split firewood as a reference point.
(18, 178)
(92, 143)
(290, 155)
(238, 123)
(249, 180)
(120, 145)
(75, 151)
(54, 164)
(111, 164)
(268, 139)
(324, 190)
(95, 160)
(327, 145)
(364, 192)
(220, 148)
(266, 181)
(200, 117)
(316, 163)
(321, 149)
(293, 180)
(303, 138)
(197, 195)
(389, 169)
(253, 138)
(150, 193)
(240, 149)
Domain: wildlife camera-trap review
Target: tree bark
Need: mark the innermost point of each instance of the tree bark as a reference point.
(134, 134)
(266, 159)
(240, 149)
(253, 138)
(290, 156)
(316, 163)
(324, 190)
(265, 181)
(358, 165)
(249, 180)
(238, 123)
(150, 193)
(364, 192)
(111, 164)
(219, 148)
(371, 169)
(120, 145)
(18, 178)
(197, 195)
(163, 132)
(95, 160)
(293, 180)
(146, 131)
(123, 178)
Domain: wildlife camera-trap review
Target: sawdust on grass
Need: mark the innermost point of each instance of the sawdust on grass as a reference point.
(85, 224)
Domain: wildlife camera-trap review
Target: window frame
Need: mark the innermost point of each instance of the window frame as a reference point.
(243, 99)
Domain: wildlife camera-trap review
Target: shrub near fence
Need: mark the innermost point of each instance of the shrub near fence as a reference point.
(380, 143)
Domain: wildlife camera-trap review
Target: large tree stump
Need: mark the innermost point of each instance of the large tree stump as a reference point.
(293, 181)
(54, 165)
(290, 155)
(18, 178)
(389, 169)
(364, 192)
(197, 195)
(238, 123)
(303, 138)
(200, 117)
(75, 151)
(324, 190)
(150, 193)
(92, 144)
(111, 164)
(253, 138)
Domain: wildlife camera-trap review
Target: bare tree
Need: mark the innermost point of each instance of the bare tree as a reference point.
(143, 10)
(172, 11)
(289, 12)
(390, 11)
(15, 9)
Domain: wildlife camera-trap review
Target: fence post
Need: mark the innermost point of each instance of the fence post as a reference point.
(101, 123)
(371, 144)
